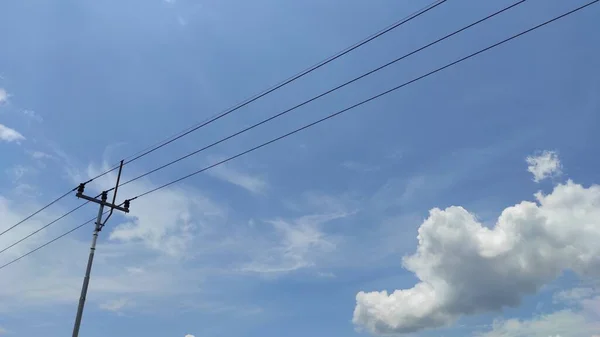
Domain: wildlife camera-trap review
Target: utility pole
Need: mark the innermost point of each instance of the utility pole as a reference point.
(99, 224)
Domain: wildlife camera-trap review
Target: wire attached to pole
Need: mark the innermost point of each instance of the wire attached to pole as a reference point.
(218, 116)
(323, 119)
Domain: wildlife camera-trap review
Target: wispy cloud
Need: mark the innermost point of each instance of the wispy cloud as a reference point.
(27, 190)
(49, 280)
(254, 184)
(3, 96)
(10, 135)
(295, 244)
(115, 305)
(153, 244)
(360, 167)
(40, 155)
(169, 229)
(326, 274)
(575, 295)
(17, 172)
(561, 323)
(32, 115)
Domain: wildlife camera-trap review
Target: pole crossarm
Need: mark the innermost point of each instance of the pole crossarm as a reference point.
(103, 202)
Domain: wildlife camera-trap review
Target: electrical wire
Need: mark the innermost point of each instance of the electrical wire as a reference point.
(218, 116)
(47, 243)
(45, 226)
(322, 94)
(327, 117)
(41, 228)
(280, 85)
(37, 212)
(306, 102)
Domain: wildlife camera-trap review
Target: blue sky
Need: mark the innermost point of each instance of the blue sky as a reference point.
(302, 237)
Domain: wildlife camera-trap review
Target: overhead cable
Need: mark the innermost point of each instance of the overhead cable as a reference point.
(328, 117)
(218, 116)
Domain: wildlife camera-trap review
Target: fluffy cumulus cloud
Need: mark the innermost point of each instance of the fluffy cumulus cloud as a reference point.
(465, 267)
(544, 165)
(188, 335)
(10, 135)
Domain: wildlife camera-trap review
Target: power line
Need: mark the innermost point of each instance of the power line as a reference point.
(41, 228)
(308, 101)
(282, 84)
(324, 93)
(328, 117)
(47, 243)
(37, 212)
(218, 116)
(53, 240)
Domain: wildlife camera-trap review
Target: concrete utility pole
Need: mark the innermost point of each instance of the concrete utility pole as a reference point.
(99, 224)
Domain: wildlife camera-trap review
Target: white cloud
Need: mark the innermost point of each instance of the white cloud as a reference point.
(544, 165)
(298, 243)
(573, 296)
(9, 135)
(32, 115)
(52, 278)
(170, 228)
(563, 323)
(155, 257)
(190, 227)
(188, 335)
(251, 183)
(360, 167)
(326, 274)
(466, 268)
(40, 155)
(115, 305)
(3, 96)
(17, 172)
(26, 190)
(142, 263)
